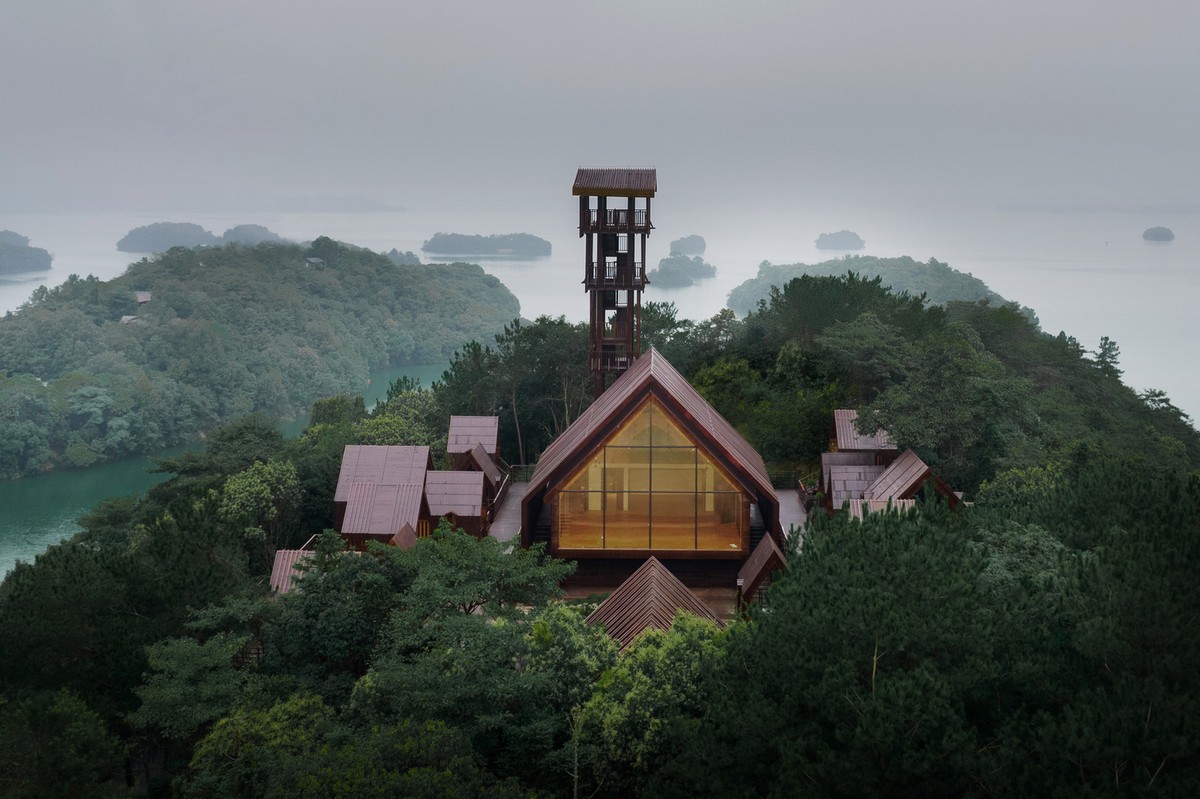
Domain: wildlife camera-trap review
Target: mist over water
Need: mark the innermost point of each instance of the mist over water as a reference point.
(1086, 272)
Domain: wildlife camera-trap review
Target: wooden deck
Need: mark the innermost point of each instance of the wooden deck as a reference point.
(506, 526)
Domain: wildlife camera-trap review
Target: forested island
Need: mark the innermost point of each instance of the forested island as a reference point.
(17, 256)
(184, 341)
(937, 281)
(510, 245)
(688, 245)
(1158, 234)
(842, 240)
(1039, 642)
(677, 270)
(162, 236)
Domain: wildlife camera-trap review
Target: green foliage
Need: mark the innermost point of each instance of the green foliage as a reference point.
(17, 256)
(680, 270)
(230, 331)
(162, 236)
(688, 245)
(52, 744)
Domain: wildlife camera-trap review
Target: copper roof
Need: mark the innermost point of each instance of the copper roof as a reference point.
(653, 374)
(485, 464)
(615, 182)
(849, 439)
(849, 482)
(766, 558)
(832, 459)
(900, 480)
(283, 571)
(460, 493)
(467, 431)
(381, 465)
(378, 511)
(650, 597)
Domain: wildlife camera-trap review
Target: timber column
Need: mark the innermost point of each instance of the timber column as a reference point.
(614, 218)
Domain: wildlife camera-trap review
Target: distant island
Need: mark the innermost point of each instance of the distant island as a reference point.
(510, 245)
(1158, 234)
(936, 280)
(688, 245)
(17, 256)
(842, 240)
(162, 236)
(679, 271)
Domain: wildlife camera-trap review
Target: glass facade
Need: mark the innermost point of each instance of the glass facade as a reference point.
(650, 487)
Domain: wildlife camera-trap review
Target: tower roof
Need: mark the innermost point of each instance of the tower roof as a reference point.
(615, 182)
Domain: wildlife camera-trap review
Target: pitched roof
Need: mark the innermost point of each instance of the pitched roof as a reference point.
(485, 464)
(849, 482)
(467, 431)
(849, 439)
(381, 465)
(831, 459)
(284, 569)
(900, 480)
(650, 597)
(652, 373)
(615, 182)
(378, 511)
(766, 558)
(460, 493)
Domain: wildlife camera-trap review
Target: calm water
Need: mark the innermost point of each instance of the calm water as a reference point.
(39, 511)
(1084, 272)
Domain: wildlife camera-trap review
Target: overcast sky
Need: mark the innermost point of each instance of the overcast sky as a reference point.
(144, 103)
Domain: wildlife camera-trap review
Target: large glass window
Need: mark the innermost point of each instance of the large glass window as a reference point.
(650, 487)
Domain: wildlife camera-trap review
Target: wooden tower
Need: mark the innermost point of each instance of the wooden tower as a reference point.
(614, 218)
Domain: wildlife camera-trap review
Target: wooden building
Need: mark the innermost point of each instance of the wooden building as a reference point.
(614, 218)
(380, 495)
(460, 498)
(473, 445)
(649, 599)
(651, 469)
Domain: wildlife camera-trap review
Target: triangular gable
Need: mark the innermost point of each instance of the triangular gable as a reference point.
(381, 465)
(650, 597)
(766, 559)
(480, 459)
(458, 493)
(652, 374)
(378, 511)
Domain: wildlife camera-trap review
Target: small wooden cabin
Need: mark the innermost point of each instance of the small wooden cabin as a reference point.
(460, 498)
(380, 495)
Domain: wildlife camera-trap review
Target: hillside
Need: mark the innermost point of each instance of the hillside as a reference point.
(231, 330)
(936, 280)
(17, 256)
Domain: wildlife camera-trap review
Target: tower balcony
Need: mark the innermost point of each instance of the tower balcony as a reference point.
(615, 275)
(616, 220)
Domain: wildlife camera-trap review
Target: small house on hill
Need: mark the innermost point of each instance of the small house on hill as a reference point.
(473, 444)
(904, 478)
(460, 498)
(380, 495)
(651, 469)
(846, 437)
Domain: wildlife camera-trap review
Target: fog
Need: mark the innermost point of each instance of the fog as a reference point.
(138, 104)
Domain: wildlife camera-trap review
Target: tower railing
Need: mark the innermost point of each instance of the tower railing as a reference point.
(618, 219)
(614, 274)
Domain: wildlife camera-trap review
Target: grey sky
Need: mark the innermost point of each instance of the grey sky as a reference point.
(144, 103)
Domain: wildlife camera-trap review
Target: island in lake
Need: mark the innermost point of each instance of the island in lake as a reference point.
(688, 245)
(17, 256)
(679, 271)
(162, 236)
(506, 245)
(1158, 234)
(842, 240)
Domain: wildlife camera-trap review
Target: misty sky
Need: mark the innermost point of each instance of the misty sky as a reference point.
(143, 103)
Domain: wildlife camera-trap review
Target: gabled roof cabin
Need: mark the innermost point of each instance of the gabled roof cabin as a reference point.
(848, 439)
(651, 469)
(460, 498)
(650, 598)
(380, 495)
(468, 431)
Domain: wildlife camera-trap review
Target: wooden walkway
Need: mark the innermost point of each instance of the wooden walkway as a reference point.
(506, 526)
(791, 512)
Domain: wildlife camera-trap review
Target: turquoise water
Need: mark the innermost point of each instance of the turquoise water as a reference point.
(39, 511)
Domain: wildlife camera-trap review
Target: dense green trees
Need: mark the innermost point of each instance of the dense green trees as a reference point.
(229, 331)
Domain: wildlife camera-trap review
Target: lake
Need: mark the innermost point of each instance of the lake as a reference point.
(1084, 271)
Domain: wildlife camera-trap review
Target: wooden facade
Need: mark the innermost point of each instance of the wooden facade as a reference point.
(651, 469)
(614, 219)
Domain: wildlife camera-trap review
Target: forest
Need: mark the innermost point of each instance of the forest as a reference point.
(508, 245)
(1039, 642)
(93, 371)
